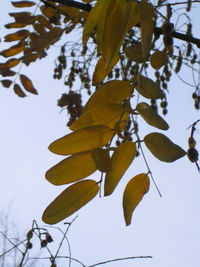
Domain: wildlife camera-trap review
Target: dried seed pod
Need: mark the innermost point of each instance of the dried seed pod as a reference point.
(179, 62)
(29, 234)
(167, 28)
(189, 49)
(29, 245)
(193, 154)
(169, 11)
(191, 142)
(43, 243)
(189, 5)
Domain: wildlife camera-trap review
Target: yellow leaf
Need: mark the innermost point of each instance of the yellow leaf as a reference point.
(82, 140)
(101, 70)
(114, 91)
(70, 200)
(136, 188)
(23, 4)
(71, 169)
(14, 50)
(27, 83)
(163, 148)
(146, 25)
(92, 19)
(134, 52)
(107, 114)
(121, 160)
(151, 116)
(19, 35)
(148, 88)
(119, 18)
(158, 59)
(101, 158)
(11, 63)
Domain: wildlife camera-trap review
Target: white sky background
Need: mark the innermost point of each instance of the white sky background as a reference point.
(167, 228)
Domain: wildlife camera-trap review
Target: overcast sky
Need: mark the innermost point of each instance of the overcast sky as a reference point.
(165, 228)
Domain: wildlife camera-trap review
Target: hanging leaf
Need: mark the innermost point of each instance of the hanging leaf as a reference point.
(14, 50)
(148, 88)
(71, 169)
(120, 161)
(17, 36)
(6, 83)
(163, 148)
(28, 86)
(108, 114)
(158, 59)
(102, 70)
(18, 91)
(146, 25)
(23, 4)
(101, 158)
(134, 52)
(14, 25)
(70, 200)
(136, 188)
(82, 140)
(151, 116)
(114, 91)
(92, 19)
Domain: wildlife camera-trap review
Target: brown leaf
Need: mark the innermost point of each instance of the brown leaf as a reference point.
(19, 35)
(18, 91)
(27, 83)
(23, 4)
(6, 83)
(14, 50)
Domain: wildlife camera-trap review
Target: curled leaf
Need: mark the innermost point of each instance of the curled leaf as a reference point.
(70, 200)
(163, 148)
(136, 188)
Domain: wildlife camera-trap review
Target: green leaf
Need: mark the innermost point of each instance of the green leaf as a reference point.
(136, 188)
(121, 160)
(102, 159)
(163, 148)
(82, 140)
(71, 169)
(70, 200)
(151, 116)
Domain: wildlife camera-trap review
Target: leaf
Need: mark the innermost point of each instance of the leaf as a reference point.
(163, 148)
(92, 19)
(70, 200)
(7, 72)
(48, 11)
(27, 83)
(11, 63)
(6, 83)
(148, 88)
(30, 57)
(23, 17)
(18, 91)
(101, 158)
(19, 35)
(134, 52)
(13, 50)
(82, 140)
(71, 169)
(15, 25)
(121, 160)
(151, 116)
(23, 4)
(102, 70)
(136, 188)
(108, 114)
(114, 91)
(146, 25)
(158, 59)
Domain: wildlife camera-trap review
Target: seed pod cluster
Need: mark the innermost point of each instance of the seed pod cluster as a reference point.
(196, 98)
(192, 152)
(62, 64)
(167, 29)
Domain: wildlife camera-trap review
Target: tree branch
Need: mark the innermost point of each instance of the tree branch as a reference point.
(157, 30)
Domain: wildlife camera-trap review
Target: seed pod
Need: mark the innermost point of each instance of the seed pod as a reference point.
(191, 142)
(179, 62)
(189, 5)
(43, 243)
(193, 154)
(29, 234)
(29, 245)
(167, 28)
